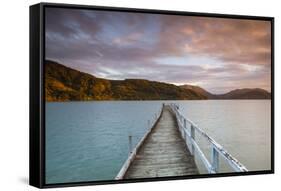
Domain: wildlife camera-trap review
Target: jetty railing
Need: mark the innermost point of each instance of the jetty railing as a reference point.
(152, 123)
(216, 149)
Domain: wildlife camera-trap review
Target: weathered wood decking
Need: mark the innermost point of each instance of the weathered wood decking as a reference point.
(163, 152)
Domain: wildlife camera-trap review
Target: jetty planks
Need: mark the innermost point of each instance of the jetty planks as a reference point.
(163, 152)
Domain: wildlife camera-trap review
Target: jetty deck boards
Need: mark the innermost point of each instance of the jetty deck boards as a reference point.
(163, 152)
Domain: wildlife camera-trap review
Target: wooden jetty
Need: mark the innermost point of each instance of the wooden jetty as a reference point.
(168, 149)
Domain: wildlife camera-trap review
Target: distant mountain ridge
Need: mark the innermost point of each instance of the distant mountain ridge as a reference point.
(199, 89)
(66, 84)
(245, 93)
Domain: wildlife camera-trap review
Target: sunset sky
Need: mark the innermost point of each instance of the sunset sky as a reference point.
(217, 54)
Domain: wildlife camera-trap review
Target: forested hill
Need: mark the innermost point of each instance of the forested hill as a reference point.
(66, 84)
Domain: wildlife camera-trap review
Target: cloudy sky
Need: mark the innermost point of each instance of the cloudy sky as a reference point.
(217, 54)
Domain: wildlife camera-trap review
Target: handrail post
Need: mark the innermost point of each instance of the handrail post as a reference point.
(130, 144)
(184, 127)
(215, 160)
(192, 134)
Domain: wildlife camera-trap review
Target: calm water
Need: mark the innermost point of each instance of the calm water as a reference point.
(88, 141)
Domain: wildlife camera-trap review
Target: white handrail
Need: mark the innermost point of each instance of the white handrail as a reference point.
(213, 166)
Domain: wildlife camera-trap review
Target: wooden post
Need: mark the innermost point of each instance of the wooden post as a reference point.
(215, 160)
(130, 144)
(184, 127)
(192, 134)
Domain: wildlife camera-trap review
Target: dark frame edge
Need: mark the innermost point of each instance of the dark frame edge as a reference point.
(158, 179)
(35, 133)
(155, 11)
(272, 97)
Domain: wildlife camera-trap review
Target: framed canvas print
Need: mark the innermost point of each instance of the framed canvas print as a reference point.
(126, 95)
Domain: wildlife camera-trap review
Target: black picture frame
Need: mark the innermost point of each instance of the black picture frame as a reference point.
(37, 102)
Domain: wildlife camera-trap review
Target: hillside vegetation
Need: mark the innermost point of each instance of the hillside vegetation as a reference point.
(66, 84)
